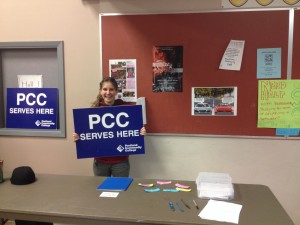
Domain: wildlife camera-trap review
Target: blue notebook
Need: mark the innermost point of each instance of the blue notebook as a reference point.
(115, 184)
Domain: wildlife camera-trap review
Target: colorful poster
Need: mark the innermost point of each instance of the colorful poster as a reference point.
(109, 131)
(268, 63)
(167, 68)
(279, 103)
(214, 101)
(124, 71)
(32, 108)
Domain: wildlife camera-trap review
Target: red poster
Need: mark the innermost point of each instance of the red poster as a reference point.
(167, 68)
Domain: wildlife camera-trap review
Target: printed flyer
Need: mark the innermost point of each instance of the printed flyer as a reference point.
(268, 63)
(232, 58)
(167, 68)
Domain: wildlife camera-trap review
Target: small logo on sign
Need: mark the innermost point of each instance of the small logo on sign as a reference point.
(120, 148)
(38, 123)
(44, 123)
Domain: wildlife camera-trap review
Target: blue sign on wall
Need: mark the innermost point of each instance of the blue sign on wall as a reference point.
(109, 131)
(32, 108)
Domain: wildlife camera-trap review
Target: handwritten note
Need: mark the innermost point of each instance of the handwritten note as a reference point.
(279, 104)
(232, 58)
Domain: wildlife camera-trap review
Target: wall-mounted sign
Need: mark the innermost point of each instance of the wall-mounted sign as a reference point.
(109, 131)
(30, 81)
(32, 108)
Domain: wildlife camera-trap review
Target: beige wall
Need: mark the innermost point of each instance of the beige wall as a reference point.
(274, 163)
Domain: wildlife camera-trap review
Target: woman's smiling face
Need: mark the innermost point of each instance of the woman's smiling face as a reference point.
(108, 93)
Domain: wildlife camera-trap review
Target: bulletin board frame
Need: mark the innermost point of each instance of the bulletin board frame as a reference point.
(38, 57)
(113, 47)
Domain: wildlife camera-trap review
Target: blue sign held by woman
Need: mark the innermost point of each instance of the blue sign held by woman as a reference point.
(109, 131)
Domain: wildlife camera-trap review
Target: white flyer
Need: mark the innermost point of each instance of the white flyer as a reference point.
(232, 58)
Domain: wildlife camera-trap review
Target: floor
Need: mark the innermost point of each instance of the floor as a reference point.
(10, 223)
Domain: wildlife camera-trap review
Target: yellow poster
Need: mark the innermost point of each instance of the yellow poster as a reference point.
(279, 103)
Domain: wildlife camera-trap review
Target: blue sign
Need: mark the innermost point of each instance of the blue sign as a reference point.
(109, 131)
(32, 108)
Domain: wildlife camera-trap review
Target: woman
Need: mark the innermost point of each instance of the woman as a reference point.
(116, 166)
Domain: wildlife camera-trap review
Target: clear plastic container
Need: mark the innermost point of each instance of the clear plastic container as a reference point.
(214, 186)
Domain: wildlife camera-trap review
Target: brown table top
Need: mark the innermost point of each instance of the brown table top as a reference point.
(74, 199)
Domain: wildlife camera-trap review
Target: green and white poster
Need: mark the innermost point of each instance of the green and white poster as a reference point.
(279, 104)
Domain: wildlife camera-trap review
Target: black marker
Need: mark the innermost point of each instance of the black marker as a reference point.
(195, 204)
(185, 204)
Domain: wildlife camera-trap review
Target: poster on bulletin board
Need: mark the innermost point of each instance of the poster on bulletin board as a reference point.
(279, 104)
(167, 68)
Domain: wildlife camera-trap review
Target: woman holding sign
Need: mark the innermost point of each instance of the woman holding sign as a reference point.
(117, 166)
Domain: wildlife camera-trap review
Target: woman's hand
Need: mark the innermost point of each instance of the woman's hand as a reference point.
(76, 137)
(143, 131)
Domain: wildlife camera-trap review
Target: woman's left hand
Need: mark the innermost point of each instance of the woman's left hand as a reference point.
(143, 131)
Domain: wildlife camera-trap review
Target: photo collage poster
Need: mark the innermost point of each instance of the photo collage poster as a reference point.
(124, 71)
(167, 68)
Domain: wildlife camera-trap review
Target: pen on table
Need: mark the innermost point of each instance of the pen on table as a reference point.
(185, 204)
(179, 207)
(195, 204)
(171, 206)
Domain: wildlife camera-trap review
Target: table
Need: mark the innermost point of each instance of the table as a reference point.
(74, 199)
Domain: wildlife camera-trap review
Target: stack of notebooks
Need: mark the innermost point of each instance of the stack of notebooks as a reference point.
(214, 186)
(115, 184)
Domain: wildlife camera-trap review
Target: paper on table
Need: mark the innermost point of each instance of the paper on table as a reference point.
(109, 194)
(221, 211)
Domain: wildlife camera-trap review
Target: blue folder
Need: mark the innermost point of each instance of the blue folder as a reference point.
(115, 184)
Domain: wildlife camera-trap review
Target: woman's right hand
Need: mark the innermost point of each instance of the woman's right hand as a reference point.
(75, 137)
